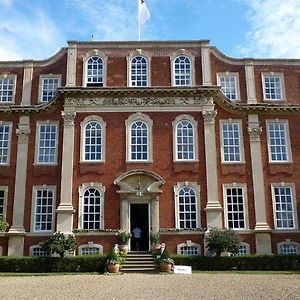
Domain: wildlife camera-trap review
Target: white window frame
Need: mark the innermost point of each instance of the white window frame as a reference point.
(14, 78)
(5, 190)
(234, 75)
(240, 139)
(90, 245)
(41, 85)
(288, 242)
(32, 248)
(189, 244)
(177, 189)
(147, 57)
(243, 186)
(37, 142)
(35, 189)
(194, 123)
(103, 138)
(293, 203)
(9, 124)
(282, 85)
(287, 141)
(87, 56)
(149, 123)
(85, 186)
(246, 246)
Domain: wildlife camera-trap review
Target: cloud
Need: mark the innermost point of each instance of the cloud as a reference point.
(275, 29)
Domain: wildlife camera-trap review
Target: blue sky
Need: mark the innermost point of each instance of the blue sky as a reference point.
(36, 29)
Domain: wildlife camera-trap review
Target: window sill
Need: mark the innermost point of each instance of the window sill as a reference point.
(286, 168)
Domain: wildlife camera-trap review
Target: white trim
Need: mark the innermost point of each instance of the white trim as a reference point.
(282, 86)
(14, 78)
(241, 140)
(288, 142)
(245, 204)
(196, 188)
(294, 204)
(194, 123)
(82, 137)
(188, 244)
(10, 125)
(81, 190)
(237, 83)
(33, 207)
(5, 189)
(89, 245)
(41, 79)
(37, 138)
(289, 243)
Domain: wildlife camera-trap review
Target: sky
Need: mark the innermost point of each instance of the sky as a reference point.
(37, 29)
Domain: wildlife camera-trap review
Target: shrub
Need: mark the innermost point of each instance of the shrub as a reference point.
(3, 225)
(124, 237)
(155, 237)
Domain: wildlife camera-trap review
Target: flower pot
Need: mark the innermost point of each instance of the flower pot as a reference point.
(124, 248)
(165, 267)
(113, 268)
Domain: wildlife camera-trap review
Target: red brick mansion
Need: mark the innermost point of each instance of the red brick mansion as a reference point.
(169, 136)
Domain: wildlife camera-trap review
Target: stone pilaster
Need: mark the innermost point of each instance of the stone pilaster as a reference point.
(124, 213)
(27, 83)
(213, 208)
(250, 83)
(155, 214)
(71, 64)
(65, 209)
(262, 229)
(17, 231)
(206, 67)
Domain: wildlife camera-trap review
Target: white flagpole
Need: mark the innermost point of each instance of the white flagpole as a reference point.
(139, 20)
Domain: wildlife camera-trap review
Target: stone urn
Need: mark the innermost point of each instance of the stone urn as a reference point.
(124, 248)
(113, 268)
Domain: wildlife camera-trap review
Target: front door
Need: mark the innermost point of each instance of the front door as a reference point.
(139, 223)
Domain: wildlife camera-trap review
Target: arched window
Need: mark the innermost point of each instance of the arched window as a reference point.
(91, 216)
(139, 141)
(90, 248)
(182, 71)
(187, 205)
(138, 72)
(288, 248)
(92, 141)
(94, 71)
(36, 250)
(185, 141)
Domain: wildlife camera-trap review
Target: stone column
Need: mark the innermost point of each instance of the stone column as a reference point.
(71, 64)
(250, 83)
(206, 68)
(17, 232)
(154, 206)
(65, 209)
(27, 83)
(213, 208)
(124, 213)
(262, 229)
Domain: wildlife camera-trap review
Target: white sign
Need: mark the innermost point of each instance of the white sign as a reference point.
(183, 270)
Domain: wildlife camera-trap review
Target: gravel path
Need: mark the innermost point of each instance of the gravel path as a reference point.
(142, 286)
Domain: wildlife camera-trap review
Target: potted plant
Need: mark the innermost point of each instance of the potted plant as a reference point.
(113, 262)
(124, 237)
(155, 241)
(3, 225)
(166, 262)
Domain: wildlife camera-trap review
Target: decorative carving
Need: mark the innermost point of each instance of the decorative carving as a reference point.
(254, 133)
(70, 101)
(68, 117)
(209, 116)
(23, 132)
(206, 100)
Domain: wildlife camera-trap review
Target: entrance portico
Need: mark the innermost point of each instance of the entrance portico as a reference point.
(139, 187)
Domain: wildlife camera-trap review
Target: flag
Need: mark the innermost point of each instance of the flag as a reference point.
(144, 13)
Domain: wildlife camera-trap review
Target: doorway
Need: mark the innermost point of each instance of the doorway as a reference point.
(139, 217)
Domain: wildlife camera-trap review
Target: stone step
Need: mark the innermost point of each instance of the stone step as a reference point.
(139, 262)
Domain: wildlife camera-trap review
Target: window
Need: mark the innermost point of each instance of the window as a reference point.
(288, 248)
(182, 71)
(138, 72)
(44, 200)
(186, 197)
(139, 133)
(278, 141)
(273, 87)
(49, 85)
(93, 141)
(235, 207)
(3, 197)
(46, 143)
(7, 88)
(90, 249)
(5, 137)
(284, 206)
(229, 83)
(244, 249)
(231, 140)
(36, 250)
(94, 71)
(189, 250)
(92, 206)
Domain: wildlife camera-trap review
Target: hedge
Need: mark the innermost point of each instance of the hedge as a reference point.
(257, 262)
(88, 263)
